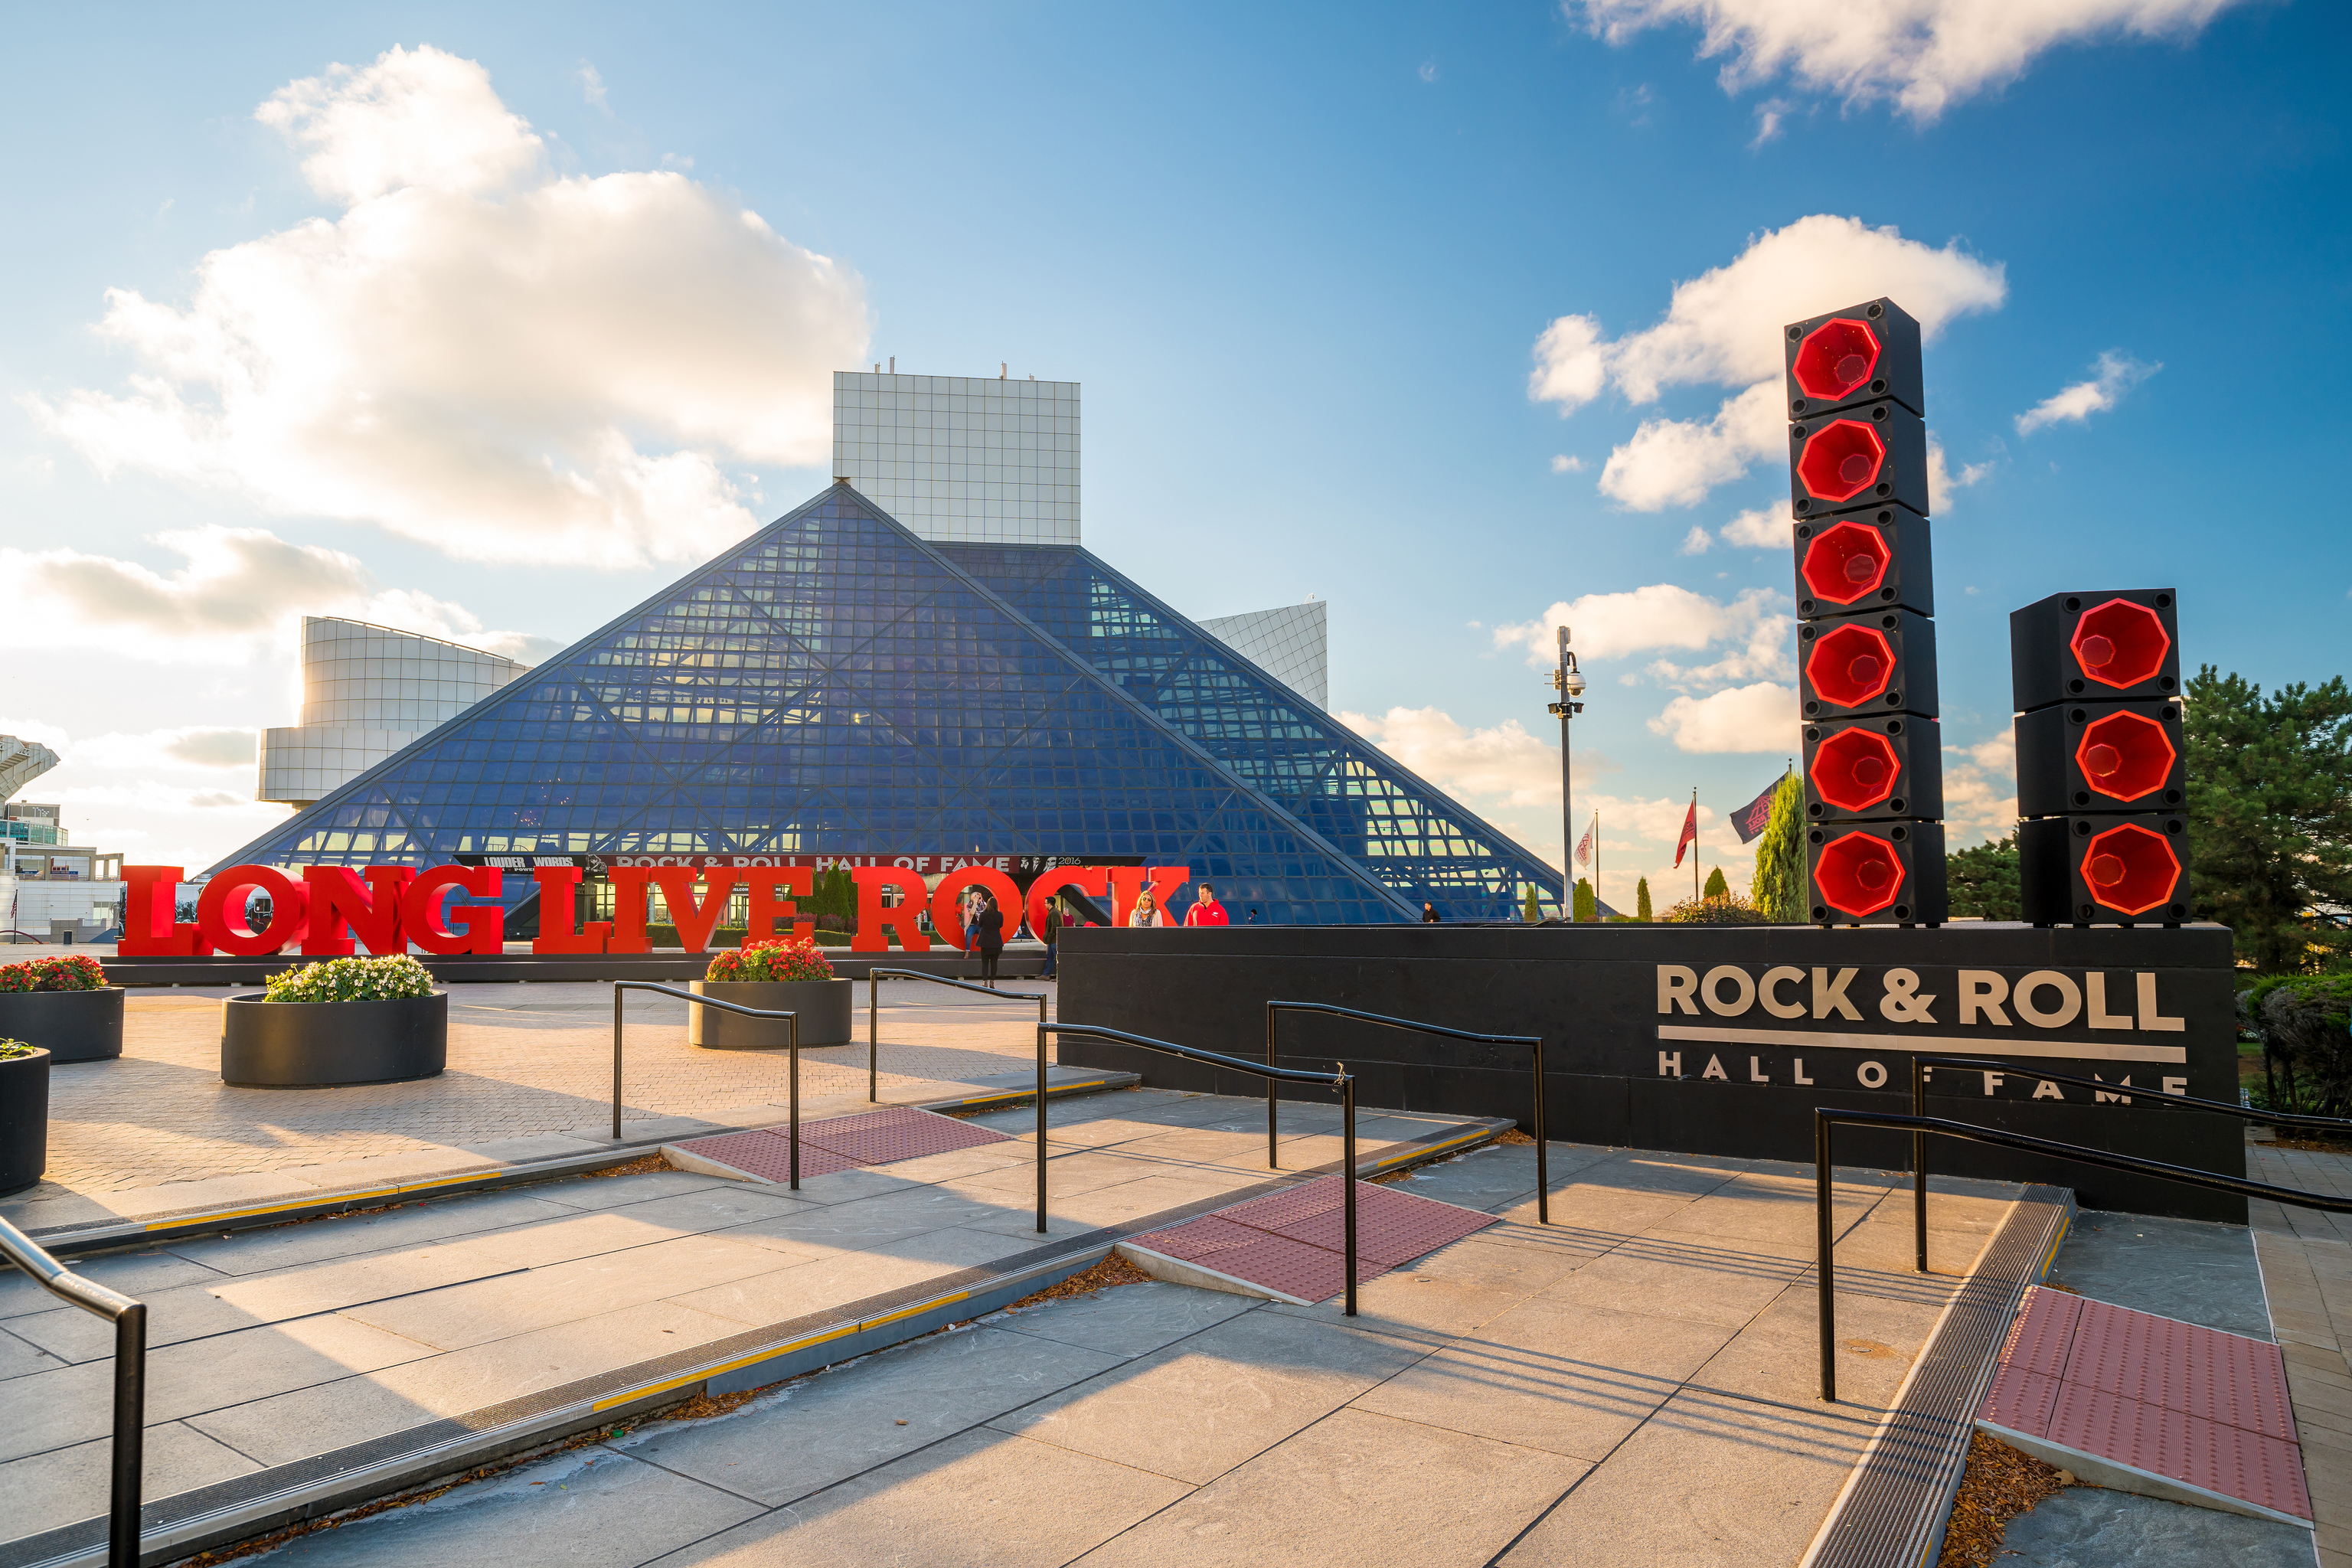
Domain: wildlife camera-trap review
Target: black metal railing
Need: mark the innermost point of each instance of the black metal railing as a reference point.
(1825, 1118)
(793, 1042)
(130, 1320)
(874, 1010)
(2123, 1092)
(1533, 1042)
(1339, 1077)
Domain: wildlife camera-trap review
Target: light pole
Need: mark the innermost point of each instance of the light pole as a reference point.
(1568, 681)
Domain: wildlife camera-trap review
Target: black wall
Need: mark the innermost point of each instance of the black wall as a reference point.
(1593, 993)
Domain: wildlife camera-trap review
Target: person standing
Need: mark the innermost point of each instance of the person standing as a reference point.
(987, 936)
(1205, 910)
(1429, 914)
(1145, 912)
(1052, 935)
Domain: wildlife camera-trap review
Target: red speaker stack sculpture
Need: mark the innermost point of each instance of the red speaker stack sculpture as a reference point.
(1866, 604)
(2100, 766)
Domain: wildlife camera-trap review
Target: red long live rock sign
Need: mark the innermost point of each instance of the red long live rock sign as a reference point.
(2143, 1401)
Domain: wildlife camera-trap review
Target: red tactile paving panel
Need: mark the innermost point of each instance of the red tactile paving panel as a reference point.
(1275, 1210)
(1293, 1267)
(768, 1155)
(1391, 1228)
(901, 1132)
(2199, 1372)
(2020, 1400)
(1199, 1240)
(2226, 1460)
(2039, 1340)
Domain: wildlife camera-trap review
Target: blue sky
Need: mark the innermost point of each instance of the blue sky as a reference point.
(1300, 258)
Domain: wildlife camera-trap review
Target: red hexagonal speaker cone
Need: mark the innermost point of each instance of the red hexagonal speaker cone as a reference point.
(2120, 643)
(2129, 869)
(1844, 562)
(1853, 770)
(2125, 755)
(1851, 665)
(1840, 461)
(1858, 875)
(1835, 358)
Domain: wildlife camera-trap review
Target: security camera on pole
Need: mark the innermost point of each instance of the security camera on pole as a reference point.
(1568, 681)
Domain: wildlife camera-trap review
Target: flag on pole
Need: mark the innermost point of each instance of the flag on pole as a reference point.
(1690, 831)
(1757, 815)
(1584, 846)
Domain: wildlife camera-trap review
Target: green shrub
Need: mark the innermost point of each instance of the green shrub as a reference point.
(1723, 911)
(2304, 1021)
(389, 978)
(1642, 899)
(784, 959)
(10, 1049)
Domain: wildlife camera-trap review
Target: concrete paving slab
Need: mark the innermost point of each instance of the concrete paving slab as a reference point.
(18, 1358)
(1122, 1204)
(409, 1225)
(980, 1500)
(1779, 1355)
(781, 1295)
(1448, 1294)
(510, 1368)
(1662, 1279)
(2090, 1527)
(717, 1207)
(599, 1509)
(2194, 1270)
(215, 1191)
(827, 1428)
(1243, 1387)
(613, 1192)
(1132, 1320)
(1339, 1491)
(1706, 1482)
(523, 1150)
(1647, 1171)
(1568, 1380)
(45, 1490)
(138, 1274)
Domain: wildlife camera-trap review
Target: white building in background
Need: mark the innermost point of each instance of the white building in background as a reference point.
(963, 460)
(1292, 644)
(51, 890)
(367, 691)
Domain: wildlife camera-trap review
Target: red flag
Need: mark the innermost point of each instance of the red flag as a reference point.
(1690, 832)
(1584, 848)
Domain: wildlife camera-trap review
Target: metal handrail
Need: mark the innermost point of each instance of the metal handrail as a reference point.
(130, 1320)
(794, 1019)
(1919, 1065)
(873, 1009)
(1339, 1077)
(1534, 1042)
(1825, 1118)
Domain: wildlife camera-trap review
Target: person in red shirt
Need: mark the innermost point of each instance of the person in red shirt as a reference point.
(1205, 910)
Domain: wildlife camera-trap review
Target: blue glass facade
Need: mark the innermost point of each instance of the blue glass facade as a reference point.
(834, 685)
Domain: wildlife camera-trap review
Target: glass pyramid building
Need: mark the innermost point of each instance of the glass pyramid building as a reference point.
(834, 685)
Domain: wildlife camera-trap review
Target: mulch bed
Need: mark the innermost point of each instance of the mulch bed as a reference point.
(636, 1167)
(1112, 1270)
(2000, 1484)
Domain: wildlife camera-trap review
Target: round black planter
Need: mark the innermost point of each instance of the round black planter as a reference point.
(72, 1026)
(823, 1006)
(320, 1045)
(24, 1121)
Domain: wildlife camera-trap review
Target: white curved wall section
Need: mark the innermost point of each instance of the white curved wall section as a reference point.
(367, 691)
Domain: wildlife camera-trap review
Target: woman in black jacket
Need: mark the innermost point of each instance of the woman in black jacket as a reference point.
(990, 928)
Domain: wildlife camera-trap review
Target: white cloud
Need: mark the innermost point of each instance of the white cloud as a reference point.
(592, 87)
(1761, 528)
(240, 595)
(1563, 464)
(1759, 718)
(1924, 56)
(1722, 329)
(1428, 71)
(1503, 764)
(2117, 374)
(504, 364)
(1695, 542)
(216, 748)
(1980, 790)
(1942, 481)
(1769, 115)
(1660, 615)
(161, 797)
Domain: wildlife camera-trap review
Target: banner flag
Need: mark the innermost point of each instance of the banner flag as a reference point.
(1690, 831)
(1757, 815)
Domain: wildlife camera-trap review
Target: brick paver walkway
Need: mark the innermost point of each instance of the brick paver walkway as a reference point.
(2306, 1258)
(523, 1060)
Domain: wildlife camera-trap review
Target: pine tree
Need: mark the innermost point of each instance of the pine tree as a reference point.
(1533, 914)
(2270, 816)
(1983, 880)
(1642, 899)
(1717, 888)
(1779, 887)
(1586, 910)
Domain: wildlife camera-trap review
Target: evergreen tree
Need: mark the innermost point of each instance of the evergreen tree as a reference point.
(1983, 880)
(1533, 914)
(1717, 888)
(1780, 886)
(1642, 899)
(1586, 910)
(2270, 816)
